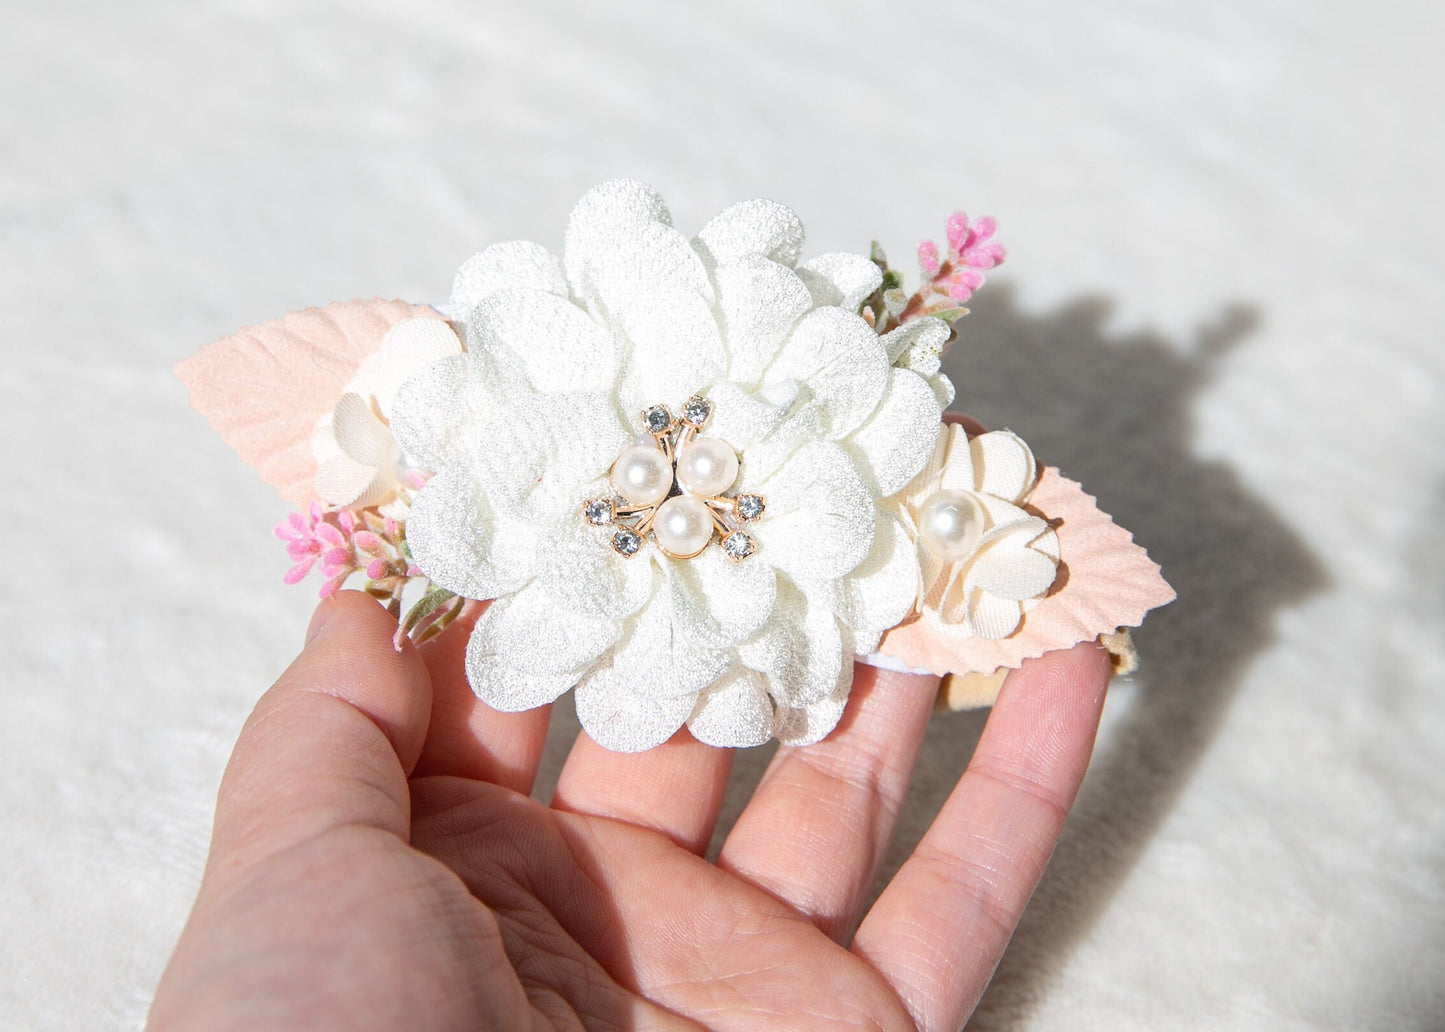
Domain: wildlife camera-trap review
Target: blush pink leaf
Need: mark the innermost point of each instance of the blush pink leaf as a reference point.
(263, 388)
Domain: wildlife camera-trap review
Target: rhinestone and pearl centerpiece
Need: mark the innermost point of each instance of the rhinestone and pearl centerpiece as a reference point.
(674, 488)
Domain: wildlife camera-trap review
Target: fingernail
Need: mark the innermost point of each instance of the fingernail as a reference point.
(319, 619)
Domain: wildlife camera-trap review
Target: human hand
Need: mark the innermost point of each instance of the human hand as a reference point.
(376, 861)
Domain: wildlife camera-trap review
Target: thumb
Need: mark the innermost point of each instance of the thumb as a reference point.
(332, 743)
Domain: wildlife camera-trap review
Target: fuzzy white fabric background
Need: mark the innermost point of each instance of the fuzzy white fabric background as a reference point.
(1221, 312)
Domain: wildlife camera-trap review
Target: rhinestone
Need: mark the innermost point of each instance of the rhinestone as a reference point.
(657, 419)
(695, 413)
(599, 512)
(626, 542)
(738, 545)
(748, 507)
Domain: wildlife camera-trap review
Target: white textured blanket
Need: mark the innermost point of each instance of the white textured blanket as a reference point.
(1222, 313)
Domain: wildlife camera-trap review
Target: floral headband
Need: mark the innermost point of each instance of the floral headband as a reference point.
(697, 478)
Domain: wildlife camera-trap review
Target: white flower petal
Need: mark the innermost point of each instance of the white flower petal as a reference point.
(897, 440)
(800, 649)
(528, 630)
(757, 226)
(743, 419)
(820, 515)
(525, 650)
(1012, 570)
(758, 302)
(541, 456)
(435, 410)
(341, 480)
(619, 718)
(957, 471)
(658, 661)
(459, 541)
(509, 265)
(734, 713)
(762, 461)
(638, 259)
(840, 361)
(1003, 465)
(942, 389)
(917, 345)
(883, 589)
(808, 724)
(841, 279)
(1003, 514)
(509, 690)
(676, 349)
(408, 346)
(359, 434)
(560, 346)
(578, 568)
(716, 602)
(992, 617)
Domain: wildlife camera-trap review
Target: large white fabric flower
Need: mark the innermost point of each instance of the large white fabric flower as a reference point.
(358, 462)
(562, 355)
(984, 559)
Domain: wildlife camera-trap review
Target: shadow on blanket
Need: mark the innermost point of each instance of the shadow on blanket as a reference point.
(1115, 412)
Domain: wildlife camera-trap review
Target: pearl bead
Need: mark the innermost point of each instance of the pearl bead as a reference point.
(950, 524)
(642, 475)
(683, 526)
(707, 467)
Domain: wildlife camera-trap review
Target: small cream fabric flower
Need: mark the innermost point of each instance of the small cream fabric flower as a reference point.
(562, 355)
(984, 560)
(358, 461)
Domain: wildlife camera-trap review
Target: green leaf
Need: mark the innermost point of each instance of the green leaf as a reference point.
(427, 606)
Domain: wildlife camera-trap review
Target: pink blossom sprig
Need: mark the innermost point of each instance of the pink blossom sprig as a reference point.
(949, 278)
(345, 543)
(971, 250)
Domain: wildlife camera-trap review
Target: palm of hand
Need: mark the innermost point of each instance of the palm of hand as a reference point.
(342, 893)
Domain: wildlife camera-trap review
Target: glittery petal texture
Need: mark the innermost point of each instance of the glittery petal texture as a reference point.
(881, 591)
(840, 279)
(577, 568)
(820, 515)
(917, 345)
(462, 543)
(842, 362)
(657, 660)
(509, 265)
(756, 226)
(806, 725)
(896, 441)
(717, 603)
(527, 635)
(801, 657)
(735, 712)
(559, 345)
(675, 348)
(758, 303)
(617, 717)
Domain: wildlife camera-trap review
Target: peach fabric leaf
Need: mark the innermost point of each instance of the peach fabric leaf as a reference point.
(263, 388)
(1105, 582)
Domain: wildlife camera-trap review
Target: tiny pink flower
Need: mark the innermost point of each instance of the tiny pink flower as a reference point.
(928, 259)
